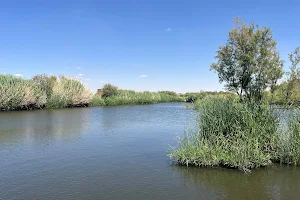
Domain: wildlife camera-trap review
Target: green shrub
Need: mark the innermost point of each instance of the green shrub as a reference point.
(109, 90)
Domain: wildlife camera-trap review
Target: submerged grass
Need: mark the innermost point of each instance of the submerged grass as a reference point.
(237, 135)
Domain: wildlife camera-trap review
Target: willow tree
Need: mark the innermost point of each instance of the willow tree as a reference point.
(249, 62)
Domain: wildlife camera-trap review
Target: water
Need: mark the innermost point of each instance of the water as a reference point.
(118, 153)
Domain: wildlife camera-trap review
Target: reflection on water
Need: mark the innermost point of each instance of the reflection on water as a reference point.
(118, 153)
(274, 182)
(31, 126)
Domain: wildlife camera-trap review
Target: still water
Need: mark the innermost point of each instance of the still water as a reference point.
(118, 153)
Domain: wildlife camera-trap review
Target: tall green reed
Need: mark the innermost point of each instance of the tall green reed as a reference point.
(231, 134)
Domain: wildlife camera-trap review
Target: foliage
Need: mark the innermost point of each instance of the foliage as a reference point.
(43, 91)
(96, 101)
(45, 82)
(289, 145)
(194, 96)
(249, 63)
(129, 97)
(18, 93)
(109, 90)
(288, 92)
(231, 134)
(171, 93)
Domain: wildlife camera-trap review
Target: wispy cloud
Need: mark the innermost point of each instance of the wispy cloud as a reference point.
(87, 79)
(168, 29)
(143, 76)
(102, 81)
(18, 75)
(80, 74)
(78, 68)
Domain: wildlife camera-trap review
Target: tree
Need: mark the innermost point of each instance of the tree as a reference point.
(292, 85)
(249, 63)
(109, 90)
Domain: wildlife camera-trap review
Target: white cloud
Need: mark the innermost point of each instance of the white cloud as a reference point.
(143, 76)
(78, 67)
(18, 75)
(168, 29)
(87, 79)
(102, 81)
(80, 74)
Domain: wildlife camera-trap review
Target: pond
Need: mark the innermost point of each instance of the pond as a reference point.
(118, 153)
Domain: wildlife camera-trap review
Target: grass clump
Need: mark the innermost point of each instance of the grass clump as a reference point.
(68, 92)
(231, 134)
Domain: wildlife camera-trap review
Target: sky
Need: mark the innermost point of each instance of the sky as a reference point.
(140, 45)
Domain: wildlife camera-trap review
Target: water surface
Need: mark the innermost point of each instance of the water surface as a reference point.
(118, 153)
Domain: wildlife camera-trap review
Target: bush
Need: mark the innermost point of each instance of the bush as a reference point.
(18, 93)
(109, 90)
(231, 134)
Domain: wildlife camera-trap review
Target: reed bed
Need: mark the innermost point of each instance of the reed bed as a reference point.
(68, 92)
(239, 135)
(17, 93)
(289, 139)
(43, 91)
(130, 97)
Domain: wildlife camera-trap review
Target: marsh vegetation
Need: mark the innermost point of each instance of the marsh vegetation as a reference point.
(241, 130)
(43, 91)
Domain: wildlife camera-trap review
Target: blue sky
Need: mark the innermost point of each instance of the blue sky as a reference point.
(141, 45)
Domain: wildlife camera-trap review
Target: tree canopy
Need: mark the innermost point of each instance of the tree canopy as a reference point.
(249, 62)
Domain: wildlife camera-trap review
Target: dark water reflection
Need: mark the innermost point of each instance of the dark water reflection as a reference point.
(118, 153)
(274, 182)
